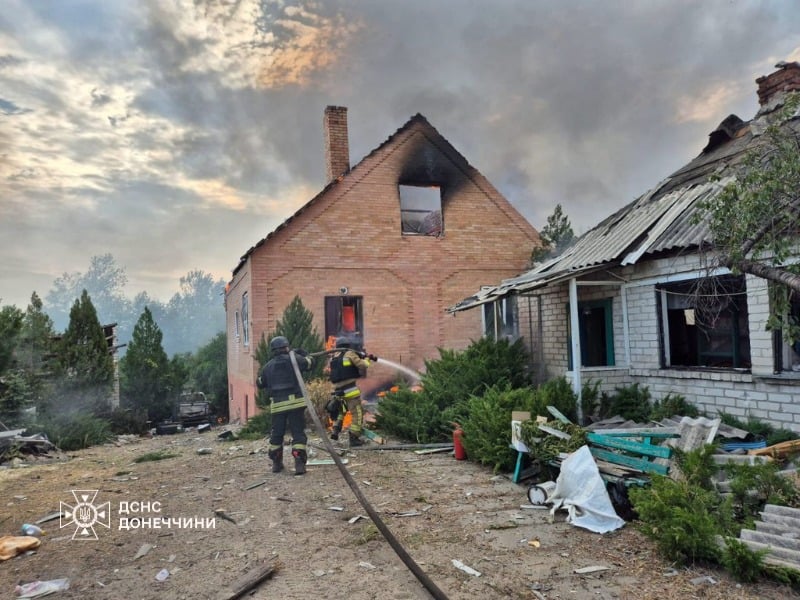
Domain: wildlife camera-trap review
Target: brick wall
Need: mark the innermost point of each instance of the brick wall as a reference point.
(351, 237)
(760, 394)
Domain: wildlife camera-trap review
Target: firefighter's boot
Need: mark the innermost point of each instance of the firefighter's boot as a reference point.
(299, 462)
(277, 459)
(355, 440)
(337, 429)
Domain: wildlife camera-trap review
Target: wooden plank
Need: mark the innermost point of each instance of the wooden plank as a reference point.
(781, 449)
(559, 434)
(250, 581)
(629, 461)
(630, 446)
(373, 436)
(558, 414)
(656, 432)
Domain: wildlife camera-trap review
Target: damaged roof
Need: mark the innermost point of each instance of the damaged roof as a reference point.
(662, 220)
(418, 120)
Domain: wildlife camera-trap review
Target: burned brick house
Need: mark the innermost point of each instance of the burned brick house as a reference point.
(379, 253)
(625, 297)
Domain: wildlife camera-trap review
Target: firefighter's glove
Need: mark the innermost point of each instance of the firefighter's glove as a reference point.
(372, 357)
(361, 354)
(300, 352)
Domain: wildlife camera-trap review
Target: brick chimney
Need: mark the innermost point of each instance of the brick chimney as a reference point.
(785, 79)
(337, 146)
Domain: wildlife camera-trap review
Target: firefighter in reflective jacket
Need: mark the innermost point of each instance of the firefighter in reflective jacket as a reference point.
(346, 367)
(287, 404)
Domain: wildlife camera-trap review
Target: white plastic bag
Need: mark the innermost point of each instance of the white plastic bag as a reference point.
(36, 589)
(582, 492)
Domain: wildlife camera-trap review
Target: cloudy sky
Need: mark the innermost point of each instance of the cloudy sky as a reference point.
(174, 134)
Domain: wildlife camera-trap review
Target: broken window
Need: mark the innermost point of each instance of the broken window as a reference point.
(236, 325)
(500, 319)
(421, 210)
(704, 323)
(787, 354)
(344, 318)
(595, 324)
(245, 321)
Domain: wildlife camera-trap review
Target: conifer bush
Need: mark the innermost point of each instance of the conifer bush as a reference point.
(447, 385)
(487, 426)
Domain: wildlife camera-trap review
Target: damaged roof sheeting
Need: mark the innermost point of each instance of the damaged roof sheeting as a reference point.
(662, 220)
(647, 226)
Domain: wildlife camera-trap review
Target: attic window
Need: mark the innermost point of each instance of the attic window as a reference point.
(421, 210)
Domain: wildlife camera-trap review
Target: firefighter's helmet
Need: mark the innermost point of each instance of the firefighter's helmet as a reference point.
(348, 342)
(278, 343)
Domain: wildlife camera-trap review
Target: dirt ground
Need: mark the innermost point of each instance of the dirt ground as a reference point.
(441, 510)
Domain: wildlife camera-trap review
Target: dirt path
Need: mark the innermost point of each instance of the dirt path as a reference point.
(440, 509)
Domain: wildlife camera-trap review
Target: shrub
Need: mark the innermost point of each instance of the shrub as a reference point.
(590, 398)
(558, 394)
(743, 563)
(671, 405)
(122, 420)
(413, 416)
(257, 427)
(77, 431)
(447, 385)
(754, 486)
(487, 428)
(630, 402)
(682, 519)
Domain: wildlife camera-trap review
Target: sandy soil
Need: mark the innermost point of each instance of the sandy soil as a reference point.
(307, 528)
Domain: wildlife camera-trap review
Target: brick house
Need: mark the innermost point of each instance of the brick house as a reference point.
(380, 252)
(648, 309)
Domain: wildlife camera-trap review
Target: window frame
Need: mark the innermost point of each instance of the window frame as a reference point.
(699, 341)
(245, 320)
(507, 308)
(334, 309)
(434, 216)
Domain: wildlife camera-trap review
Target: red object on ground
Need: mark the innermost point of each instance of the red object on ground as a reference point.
(458, 446)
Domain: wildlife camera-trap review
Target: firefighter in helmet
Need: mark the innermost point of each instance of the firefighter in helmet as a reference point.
(287, 404)
(346, 367)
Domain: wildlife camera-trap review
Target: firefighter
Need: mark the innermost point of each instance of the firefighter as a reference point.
(287, 404)
(346, 367)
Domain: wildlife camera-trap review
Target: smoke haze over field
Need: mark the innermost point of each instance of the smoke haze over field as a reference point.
(175, 134)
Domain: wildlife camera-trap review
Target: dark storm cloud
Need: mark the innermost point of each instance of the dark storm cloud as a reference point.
(200, 123)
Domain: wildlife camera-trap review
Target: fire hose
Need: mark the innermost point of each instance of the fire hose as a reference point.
(421, 576)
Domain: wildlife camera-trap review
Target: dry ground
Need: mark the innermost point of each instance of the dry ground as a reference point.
(440, 509)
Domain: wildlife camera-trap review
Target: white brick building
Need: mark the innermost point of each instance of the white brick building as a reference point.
(649, 308)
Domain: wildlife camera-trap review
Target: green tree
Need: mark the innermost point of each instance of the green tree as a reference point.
(296, 325)
(13, 396)
(210, 372)
(195, 314)
(556, 236)
(35, 353)
(145, 371)
(104, 281)
(753, 222)
(10, 326)
(85, 359)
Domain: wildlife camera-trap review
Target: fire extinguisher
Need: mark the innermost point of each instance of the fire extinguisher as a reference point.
(458, 446)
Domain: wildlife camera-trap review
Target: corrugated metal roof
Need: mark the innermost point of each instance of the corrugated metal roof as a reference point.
(662, 220)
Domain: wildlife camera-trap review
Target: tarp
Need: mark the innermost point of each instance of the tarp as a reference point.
(582, 493)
